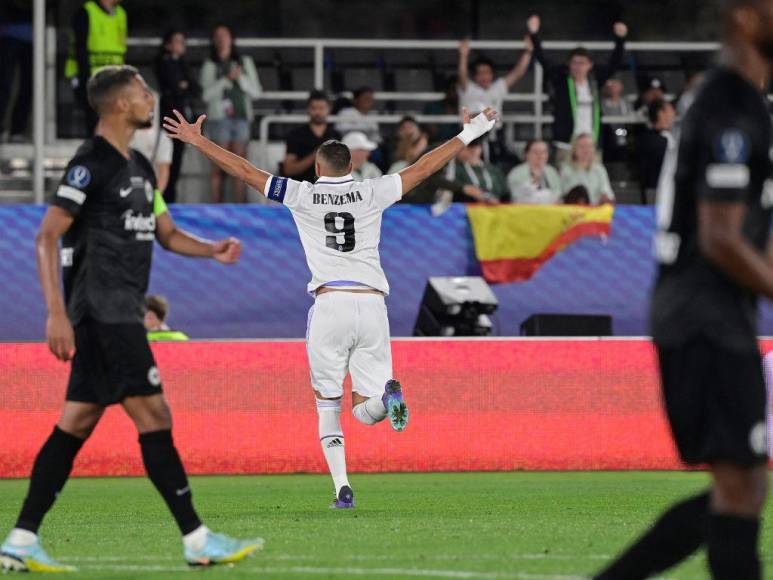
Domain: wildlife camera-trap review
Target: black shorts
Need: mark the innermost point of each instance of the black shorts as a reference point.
(112, 362)
(716, 402)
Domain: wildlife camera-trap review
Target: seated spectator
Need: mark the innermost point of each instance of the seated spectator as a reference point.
(470, 169)
(652, 144)
(412, 141)
(355, 118)
(650, 89)
(156, 146)
(360, 148)
(442, 132)
(156, 313)
(615, 137)
(302, 142)
(535, 181)
(229, 82)
(585, 170)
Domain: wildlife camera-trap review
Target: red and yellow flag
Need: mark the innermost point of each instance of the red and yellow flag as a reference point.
(513, 241)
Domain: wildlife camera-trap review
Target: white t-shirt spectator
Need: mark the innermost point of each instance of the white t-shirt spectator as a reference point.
(153, 143)
(353, 120)
(476, 98)
(584, 121)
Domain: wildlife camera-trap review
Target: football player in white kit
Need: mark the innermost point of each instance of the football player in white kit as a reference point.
(339, 221)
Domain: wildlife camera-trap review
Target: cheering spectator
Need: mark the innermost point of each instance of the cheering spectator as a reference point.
(613, 103)
(156, 146)
(654, 141)
(483, 90)
(355, 118)
(99, 31)
(361, 148)
(302, 142)
(584, 170)
(576, 86)
(16, 54)
(229, 82)
(535, 181)
(442, 132)
(178, 91)
(650, 89)
(471, 169)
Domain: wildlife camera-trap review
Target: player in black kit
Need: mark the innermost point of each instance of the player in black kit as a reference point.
(107, 212)
(713, 218)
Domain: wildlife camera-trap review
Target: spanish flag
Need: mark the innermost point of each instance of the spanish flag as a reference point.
(513, 241)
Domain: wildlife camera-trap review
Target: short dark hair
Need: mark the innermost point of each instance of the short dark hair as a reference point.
(654, 108)
(158, 305)
(336, 155)
(580, 51)
(578, 195)
(531, 143)
(482, 60)
(359, 91)
(107, 82)
(317, 95)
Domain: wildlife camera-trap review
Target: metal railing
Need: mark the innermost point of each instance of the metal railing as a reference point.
(45, 75)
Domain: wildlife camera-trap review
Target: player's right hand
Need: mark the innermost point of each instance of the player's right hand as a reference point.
(181, 129)
(464, 47)
(60, 336)
(533, 24)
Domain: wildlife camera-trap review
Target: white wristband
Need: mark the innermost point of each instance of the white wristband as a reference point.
(468, 135)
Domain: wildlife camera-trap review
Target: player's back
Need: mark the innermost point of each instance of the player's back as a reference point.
(339, 221)
(723, 155)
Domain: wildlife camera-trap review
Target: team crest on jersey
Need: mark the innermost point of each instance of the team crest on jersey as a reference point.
(732, 146)
(78, 177)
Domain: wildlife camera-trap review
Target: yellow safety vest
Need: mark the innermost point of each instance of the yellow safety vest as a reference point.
(106, 43)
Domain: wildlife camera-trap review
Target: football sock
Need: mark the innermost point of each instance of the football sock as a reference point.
(331, 437)
(370, 411)
(49, 474)
(19, 537)
(677, 534)
(732, 546)
(197, 539)
(166, 471)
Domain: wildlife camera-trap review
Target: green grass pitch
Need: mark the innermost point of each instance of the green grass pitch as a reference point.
(475, 525)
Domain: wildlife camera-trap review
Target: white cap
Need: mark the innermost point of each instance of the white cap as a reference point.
(358, 140)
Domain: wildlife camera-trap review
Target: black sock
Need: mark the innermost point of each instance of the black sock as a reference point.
(677, 534)
(733, 547)
(166, 471)
(49, 474)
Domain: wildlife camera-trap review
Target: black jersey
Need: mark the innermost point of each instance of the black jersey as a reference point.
(723, 155)
(106, 253)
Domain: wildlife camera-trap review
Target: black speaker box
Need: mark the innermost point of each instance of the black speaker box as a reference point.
(567, 325)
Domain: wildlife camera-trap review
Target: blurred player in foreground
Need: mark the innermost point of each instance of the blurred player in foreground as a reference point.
(107, 212)
(339, 221)
(714, 200)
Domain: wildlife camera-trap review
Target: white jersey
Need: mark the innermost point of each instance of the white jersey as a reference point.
(339, 221)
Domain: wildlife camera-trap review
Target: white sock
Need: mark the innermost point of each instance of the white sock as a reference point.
(19, 537)
(196, 539)
(331, 437)
(370, 412)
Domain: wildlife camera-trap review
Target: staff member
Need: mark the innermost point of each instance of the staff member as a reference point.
(99, 32)
(156, 312)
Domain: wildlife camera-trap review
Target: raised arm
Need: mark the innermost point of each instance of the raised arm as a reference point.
(59, 333)
(616, 57)
(433, 161)
(463, 65)
(520, 68)
(232, 164)
(533, 25)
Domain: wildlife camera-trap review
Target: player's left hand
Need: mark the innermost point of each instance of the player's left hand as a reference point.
(227, 251)
(620, 29)
(181, 129)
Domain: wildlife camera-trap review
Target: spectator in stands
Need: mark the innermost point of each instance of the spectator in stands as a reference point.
(650, 89)
(361, 147)
(412, 141)
(302, 142)
(442, 132)
(229, 82)
(355, 118)
(653, 143)
(469, 168)
(535, 181)
(586, 171)
(156, 313)
(99, 31)
(576, 86)
(484, 90)
(156, 146)
(16, 54)
(179, 89)
(615, 137)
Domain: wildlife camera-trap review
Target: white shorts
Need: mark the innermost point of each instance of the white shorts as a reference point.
(348, 332)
